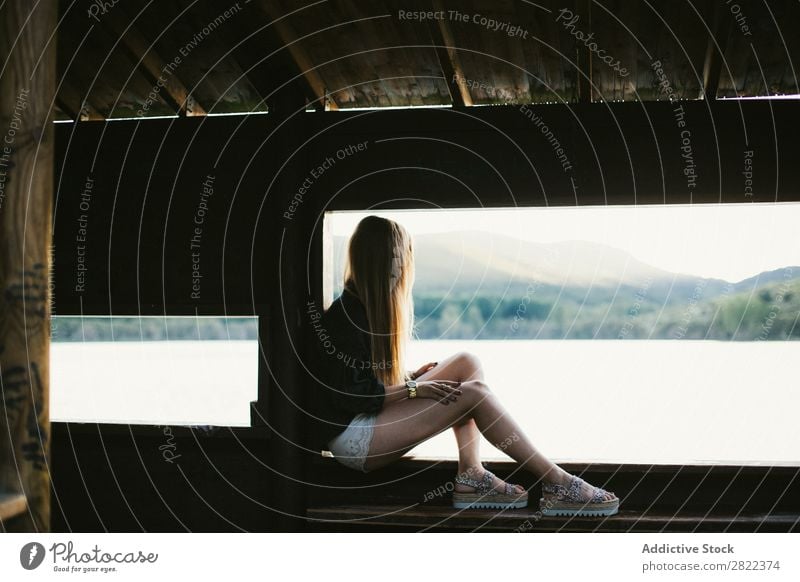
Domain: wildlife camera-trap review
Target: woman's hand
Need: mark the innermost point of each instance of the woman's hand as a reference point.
(426, 368)
(445, 391)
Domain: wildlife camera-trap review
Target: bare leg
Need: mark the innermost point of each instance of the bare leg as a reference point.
(405, 424)
(402, 425)
(468, 438)
(462, 367)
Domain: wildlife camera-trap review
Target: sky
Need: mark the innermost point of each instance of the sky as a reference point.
(730, 241)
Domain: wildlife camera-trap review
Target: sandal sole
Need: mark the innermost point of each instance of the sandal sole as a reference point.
(580, 510)
(473, 501)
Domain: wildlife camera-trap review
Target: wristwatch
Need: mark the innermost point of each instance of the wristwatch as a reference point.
(411, 386)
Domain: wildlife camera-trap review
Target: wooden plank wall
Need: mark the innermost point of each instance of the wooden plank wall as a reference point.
(261, 245)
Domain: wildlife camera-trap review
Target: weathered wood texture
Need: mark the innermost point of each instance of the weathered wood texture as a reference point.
(12, 505)
(27, 92)
(229, 56)
(372, 518)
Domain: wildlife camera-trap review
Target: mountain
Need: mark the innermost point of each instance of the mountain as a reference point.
(776, 276)
(474, 259)
(477, 262)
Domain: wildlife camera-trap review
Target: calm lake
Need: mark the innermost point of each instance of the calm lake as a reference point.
(594, 400)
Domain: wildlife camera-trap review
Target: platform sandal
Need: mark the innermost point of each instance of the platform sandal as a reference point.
(568, 501)
(486, 496)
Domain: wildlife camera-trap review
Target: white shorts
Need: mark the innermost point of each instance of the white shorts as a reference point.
(351, 446)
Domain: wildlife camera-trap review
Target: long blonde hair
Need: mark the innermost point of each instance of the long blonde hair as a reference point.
(379, 270)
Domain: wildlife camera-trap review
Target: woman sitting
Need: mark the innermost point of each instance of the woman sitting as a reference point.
(376, 411)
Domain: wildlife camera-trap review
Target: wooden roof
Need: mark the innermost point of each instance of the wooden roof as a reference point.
(223, 56)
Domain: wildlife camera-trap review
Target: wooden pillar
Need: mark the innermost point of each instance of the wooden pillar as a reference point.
(27, 92)
(583, 57)
(285, 321)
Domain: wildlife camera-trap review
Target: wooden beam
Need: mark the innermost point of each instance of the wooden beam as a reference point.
(712, 65)
(27, 91)
(74, 104)
(267, 75)
(583, 84)
(67, 110)
(302, 61)
(444, 42)
(153, 66)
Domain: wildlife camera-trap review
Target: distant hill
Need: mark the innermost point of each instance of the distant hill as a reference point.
(473, 260)
(465, 259)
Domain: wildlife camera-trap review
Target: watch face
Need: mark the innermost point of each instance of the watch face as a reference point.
(411, 384)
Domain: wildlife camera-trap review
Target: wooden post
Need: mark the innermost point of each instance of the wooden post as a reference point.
(285, 327)
(583, 8)
(27, 93)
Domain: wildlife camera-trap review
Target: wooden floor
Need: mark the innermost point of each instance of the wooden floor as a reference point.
(442, 518)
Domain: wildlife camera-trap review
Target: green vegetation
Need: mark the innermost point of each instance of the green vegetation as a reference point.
(696, 311)
(95, 329)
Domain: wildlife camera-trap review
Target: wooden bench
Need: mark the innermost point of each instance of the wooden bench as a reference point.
(12, 505)
(702, 498)
(440, 518)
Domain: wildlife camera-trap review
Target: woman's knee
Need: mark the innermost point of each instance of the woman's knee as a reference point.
(470, 364)
(474, 391)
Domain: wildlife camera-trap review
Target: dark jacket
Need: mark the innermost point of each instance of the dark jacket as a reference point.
(347, 384)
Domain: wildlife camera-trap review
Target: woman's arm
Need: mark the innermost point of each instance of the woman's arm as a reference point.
(424, 369)
(445, 391)
(394, 393)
